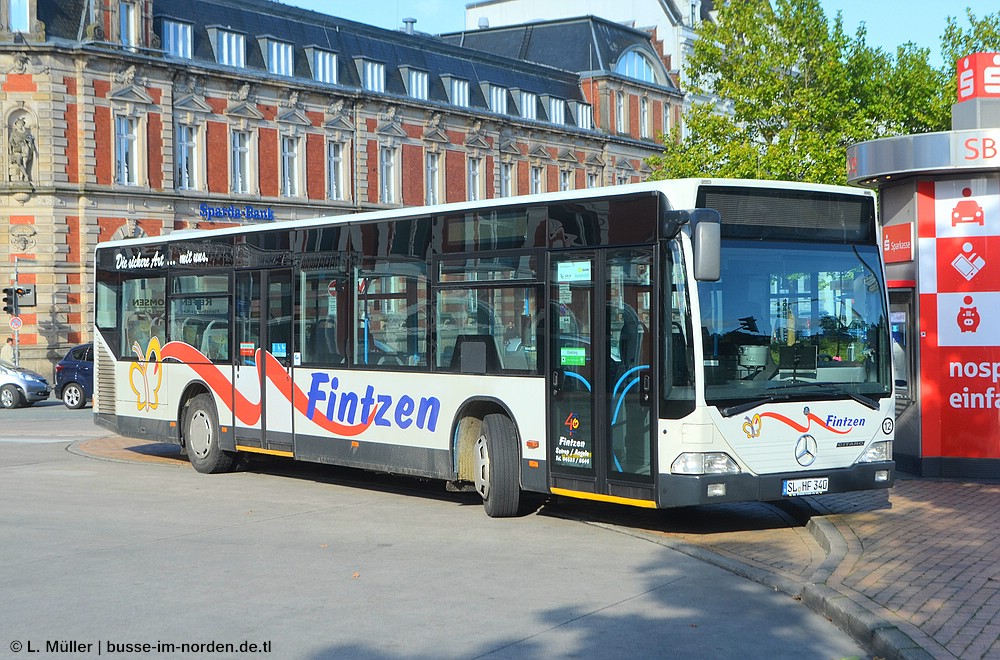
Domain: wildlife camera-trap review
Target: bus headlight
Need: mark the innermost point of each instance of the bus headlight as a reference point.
(877, 452)
(704, 463)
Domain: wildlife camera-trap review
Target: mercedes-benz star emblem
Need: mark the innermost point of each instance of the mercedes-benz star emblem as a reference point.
(805, 450)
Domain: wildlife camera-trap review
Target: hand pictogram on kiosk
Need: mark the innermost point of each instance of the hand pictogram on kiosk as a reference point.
(967, 210)
(969, 262)
(968, 316)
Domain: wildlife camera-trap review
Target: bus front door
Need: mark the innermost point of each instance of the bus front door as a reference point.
(601, 351)
(263, 385)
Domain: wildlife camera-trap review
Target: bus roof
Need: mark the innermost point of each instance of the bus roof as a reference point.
(681, 193)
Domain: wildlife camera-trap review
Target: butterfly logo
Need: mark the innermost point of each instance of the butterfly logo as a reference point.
(146, 373)
(751, 426)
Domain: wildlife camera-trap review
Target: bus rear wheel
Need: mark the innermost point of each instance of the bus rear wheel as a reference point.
(496, 463)
(201, 437)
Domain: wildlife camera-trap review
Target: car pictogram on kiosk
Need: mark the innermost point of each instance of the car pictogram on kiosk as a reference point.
(967, 210)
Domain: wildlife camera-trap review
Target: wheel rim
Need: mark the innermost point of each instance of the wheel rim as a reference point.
(72, 395)
(6, 398)
(199, 434)
(482, 478)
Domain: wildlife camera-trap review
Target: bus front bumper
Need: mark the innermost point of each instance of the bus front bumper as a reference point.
(692, 490)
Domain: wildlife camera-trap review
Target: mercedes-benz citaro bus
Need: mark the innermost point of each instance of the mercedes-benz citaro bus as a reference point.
(662, 344)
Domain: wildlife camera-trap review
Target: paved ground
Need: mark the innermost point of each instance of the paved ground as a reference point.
(910, 573)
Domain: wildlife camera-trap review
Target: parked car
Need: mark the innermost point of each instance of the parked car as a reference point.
(21, 387)
(75, 376)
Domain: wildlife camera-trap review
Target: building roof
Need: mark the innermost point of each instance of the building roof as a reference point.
(263, 19)
(581, 44)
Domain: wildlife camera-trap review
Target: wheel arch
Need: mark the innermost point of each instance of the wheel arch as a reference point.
(191, 390)
(466, 428)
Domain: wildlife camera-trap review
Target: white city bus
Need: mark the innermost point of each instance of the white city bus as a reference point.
(662, 344)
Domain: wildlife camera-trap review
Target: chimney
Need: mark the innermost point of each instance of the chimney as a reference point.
(408, 22)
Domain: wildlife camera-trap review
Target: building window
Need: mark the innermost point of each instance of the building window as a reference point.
(498, 99)
(668, 120)
(634, 65)
(387, 175)
(240, 158)
(19, 17)
(433, 178)
(289, 166)
(535, 180)
(585, 116)
(506, 180)
(460, 92)
(280, 59)
(126, 138)
(623, 179)
(643, 117)
(230, 49)
(335, 170)
(374, 76)
(324, 65)
(186, 143)
(177, 39)
(565, 180)
(128, 24)
(592, 180)
(417, 84)
(557, 111)
(620, 112)
(474, 179)
(529, 105)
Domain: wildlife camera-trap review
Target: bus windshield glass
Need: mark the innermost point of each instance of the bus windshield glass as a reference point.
(789, 320)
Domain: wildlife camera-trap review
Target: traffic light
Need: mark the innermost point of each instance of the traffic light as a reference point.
(10, 300)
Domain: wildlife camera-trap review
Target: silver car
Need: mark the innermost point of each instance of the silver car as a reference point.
(21, 387)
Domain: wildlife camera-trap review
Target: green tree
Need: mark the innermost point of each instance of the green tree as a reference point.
(798, 90)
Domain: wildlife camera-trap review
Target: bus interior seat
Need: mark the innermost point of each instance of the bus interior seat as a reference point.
(324, 344)
(475, 354)
(215, 340)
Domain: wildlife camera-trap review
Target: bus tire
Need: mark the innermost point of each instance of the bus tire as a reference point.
(201, 437)
(496, 463)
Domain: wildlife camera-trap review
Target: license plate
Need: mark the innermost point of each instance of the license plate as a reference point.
(814, 486)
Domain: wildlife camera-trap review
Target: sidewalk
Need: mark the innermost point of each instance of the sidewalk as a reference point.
(910, 573)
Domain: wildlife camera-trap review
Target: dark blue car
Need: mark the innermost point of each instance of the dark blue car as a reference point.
(75, 376)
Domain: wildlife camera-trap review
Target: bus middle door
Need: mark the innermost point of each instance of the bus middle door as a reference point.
(263, 379)
(601, 356)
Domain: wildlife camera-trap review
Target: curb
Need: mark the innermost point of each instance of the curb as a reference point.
(882, 637)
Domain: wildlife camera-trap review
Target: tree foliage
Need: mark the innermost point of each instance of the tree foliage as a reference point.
(798, 91)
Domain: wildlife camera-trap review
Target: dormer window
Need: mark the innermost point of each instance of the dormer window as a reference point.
(584, 116)
(557, 111)
(458, 91)
(416, 83)
(324, 65)
(635, 65)
(498, 99)
(372, 75)
(128, 25)
(279, 57)
(19, 17)
(529, 105)
(230, 47)
(177, 39)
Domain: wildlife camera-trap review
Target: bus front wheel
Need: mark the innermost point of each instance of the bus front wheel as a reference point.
(496, 462)
(201, 437)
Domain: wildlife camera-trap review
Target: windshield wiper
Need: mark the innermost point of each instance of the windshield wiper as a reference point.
(771, 395)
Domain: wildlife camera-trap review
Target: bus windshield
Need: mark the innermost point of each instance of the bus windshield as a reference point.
(789, 320)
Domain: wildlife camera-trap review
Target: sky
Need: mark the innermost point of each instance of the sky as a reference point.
(890, 23)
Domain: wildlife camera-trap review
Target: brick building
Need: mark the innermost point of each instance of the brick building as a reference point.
(124, 117)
